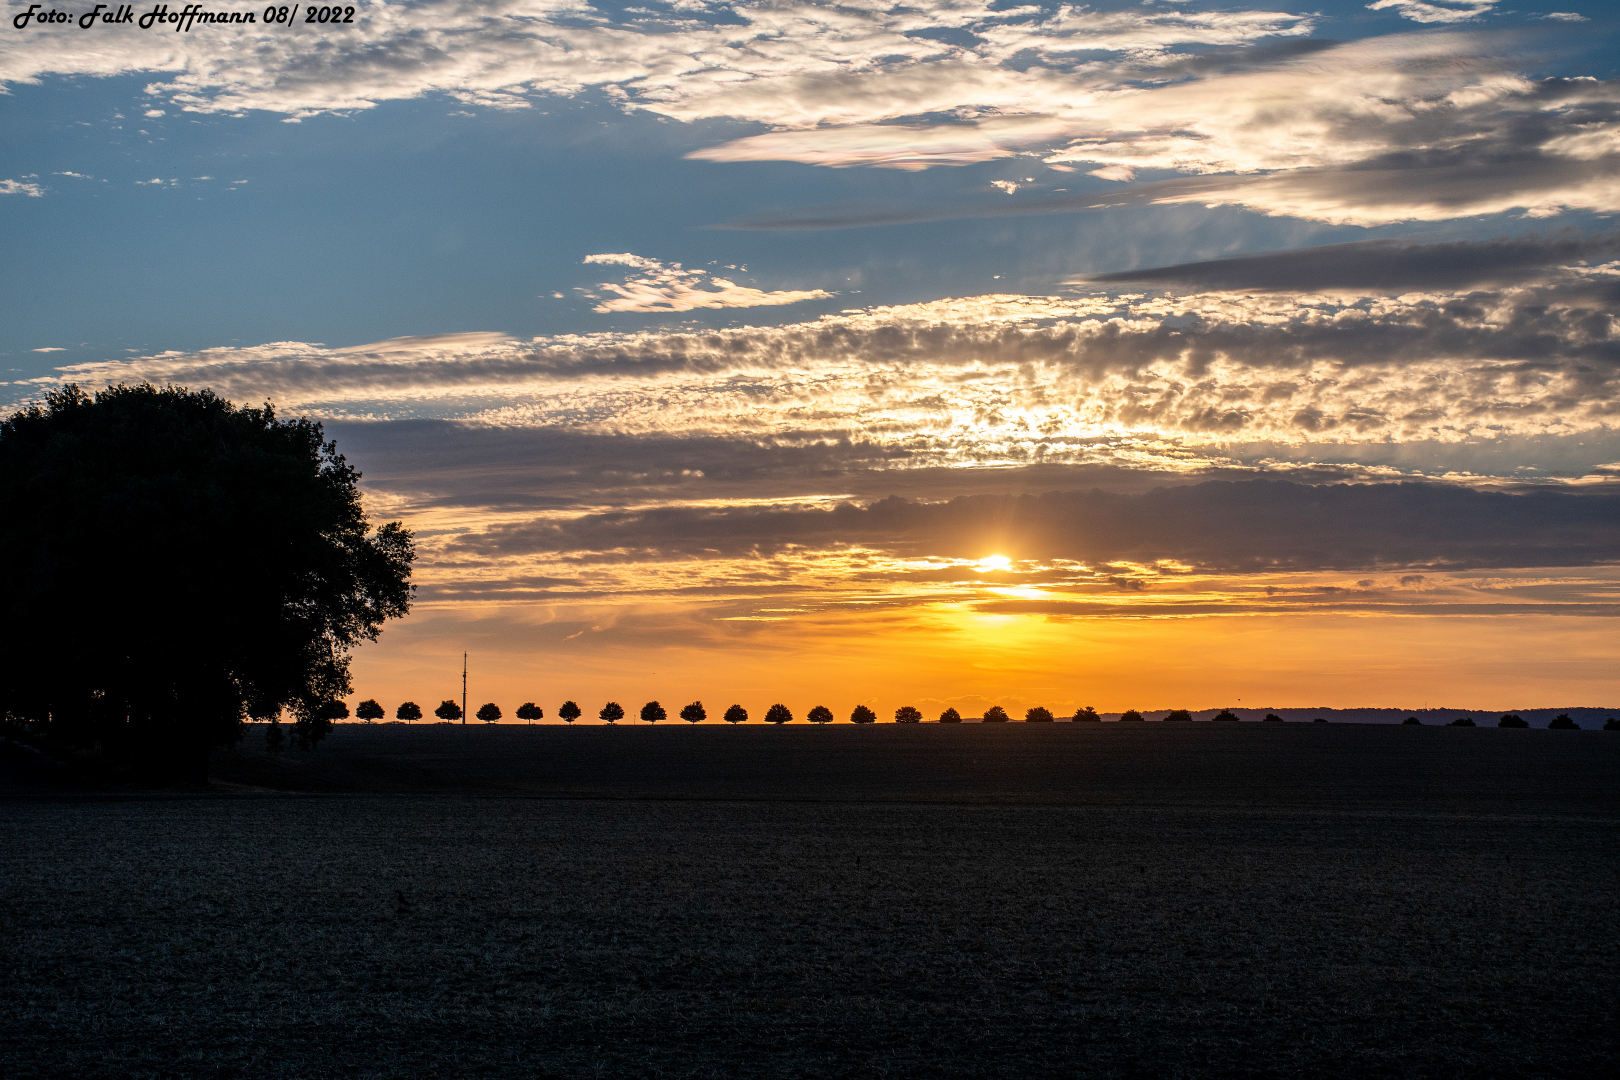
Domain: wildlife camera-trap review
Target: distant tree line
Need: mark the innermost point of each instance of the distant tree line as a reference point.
(653, 712)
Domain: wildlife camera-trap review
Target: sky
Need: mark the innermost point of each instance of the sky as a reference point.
(1132, 355)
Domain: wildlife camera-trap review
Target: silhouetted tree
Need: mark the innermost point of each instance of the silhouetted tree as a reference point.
(1412, 721)
(569, 712)
(1038, 715)
(253, 573)
(368, 710)
(1129, 715)
(1511, 720)
(995, 714)
(408, 711)
(448, 710)
(1272, 718)
(862, 715)
(1611, 724)
(1226, 714)
(612, 712)
(819, 715)
(489, 712)
(1179, 714)
(652, 712)
(736, 714)
(778, 714)
(1319, 720)
(529, 712)
(950, 716)
(1086, 715)
(1462, 721)
(906, 714)
(694, 712)
(1562, 722)
(333, 710)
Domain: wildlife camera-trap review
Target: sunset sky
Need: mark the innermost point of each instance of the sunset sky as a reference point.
(1125, 354)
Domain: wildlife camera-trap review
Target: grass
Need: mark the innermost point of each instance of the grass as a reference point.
(888, 902)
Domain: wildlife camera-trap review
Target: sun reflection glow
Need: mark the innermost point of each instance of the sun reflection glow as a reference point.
(994, 562)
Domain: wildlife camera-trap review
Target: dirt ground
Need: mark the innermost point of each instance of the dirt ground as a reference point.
(1300, 900)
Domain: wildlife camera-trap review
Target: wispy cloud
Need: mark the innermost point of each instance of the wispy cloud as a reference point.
(665, 288)
(20, 187)
(1381, 265)
(1435, 11)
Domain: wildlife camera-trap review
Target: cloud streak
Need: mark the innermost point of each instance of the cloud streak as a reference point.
(663, 289)
(1387, 266)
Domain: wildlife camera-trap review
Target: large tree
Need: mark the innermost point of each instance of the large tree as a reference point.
(652, 712)
(489, 712)
(694, 712)
(369, 710)
(907, 714)
(176, 564)
(529, 712)
(408, 711)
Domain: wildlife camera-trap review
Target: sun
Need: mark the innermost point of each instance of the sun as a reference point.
(994, 562)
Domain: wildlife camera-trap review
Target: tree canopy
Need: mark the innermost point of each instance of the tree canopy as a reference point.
(1512, 720)
(489, 712)
(1462, 721)
(1272, 718)
(569, 712)
(1178, 714)
(368, 710)
(652, 712)
(252, 572)
(862, 715)
(1411, 721)
(1087, 714)
(736, 714)
(950, 716)
(995, 714)
(778, 714)
(448, 710)
(1562, 722)
(1130, 714)
(530, 712)
(907, 714)
(1038, 715)
(612, 712)
(694, 713)
(820, 714)
(1227, 715)
(408, 711)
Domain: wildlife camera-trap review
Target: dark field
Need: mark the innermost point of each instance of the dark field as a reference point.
(1072, 900)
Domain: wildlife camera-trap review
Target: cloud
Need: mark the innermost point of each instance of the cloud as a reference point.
(669, 288)
(1002, 378)
(1381, 265)
(51, 348)
(1435, 11)
(20, 187)
(1417, 126)
(1406, 129)
(1232, 527)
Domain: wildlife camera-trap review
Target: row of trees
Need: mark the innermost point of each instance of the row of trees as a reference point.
(652, 712)
(1561, 722)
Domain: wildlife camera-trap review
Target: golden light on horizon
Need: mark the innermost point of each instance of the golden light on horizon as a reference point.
(993, 562)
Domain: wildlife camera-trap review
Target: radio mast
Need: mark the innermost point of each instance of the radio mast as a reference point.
(464, 689)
